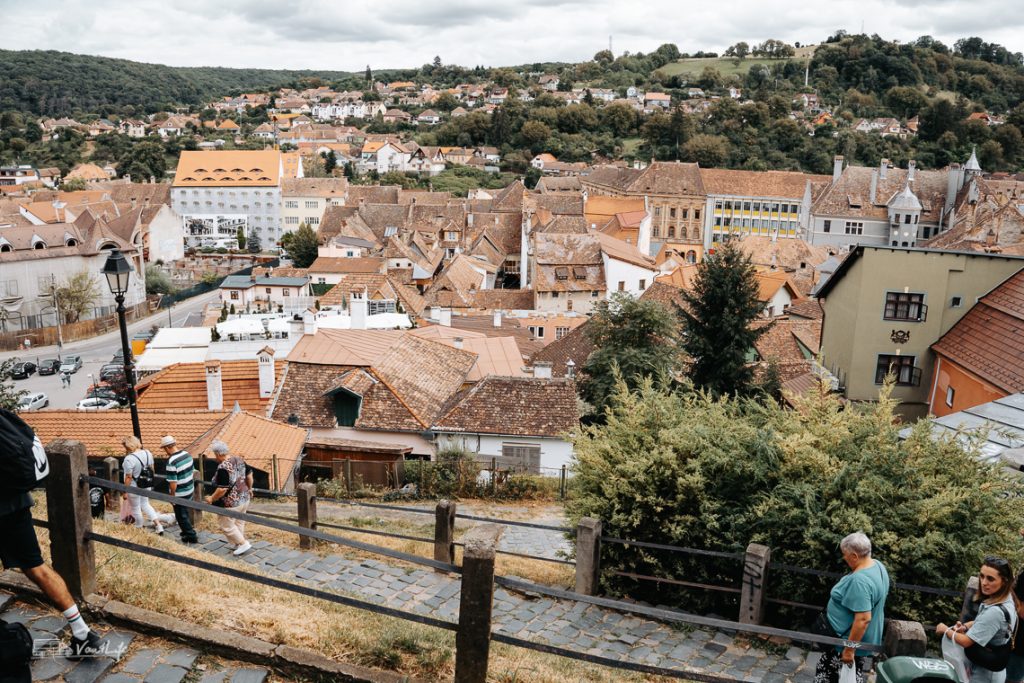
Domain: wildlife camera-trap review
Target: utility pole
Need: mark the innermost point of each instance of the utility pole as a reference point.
(56, 312)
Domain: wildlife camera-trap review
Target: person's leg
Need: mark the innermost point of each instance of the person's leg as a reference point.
(136, 506)
(240, 523)
(188, 532)
(230, 531)
(828, 667)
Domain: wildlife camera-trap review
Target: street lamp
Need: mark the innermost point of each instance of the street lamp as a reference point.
(118, 271)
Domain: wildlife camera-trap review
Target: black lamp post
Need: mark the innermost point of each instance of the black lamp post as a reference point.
(118, 271)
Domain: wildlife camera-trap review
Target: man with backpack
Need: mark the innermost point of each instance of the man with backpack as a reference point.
(23, 464)
(180, 480)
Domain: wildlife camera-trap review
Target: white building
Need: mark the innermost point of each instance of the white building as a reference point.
(267, 291)
(218, 192)
(304, 200)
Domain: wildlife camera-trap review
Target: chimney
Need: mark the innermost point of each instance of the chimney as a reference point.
(874, 185)
(457, 343)
(469, 220)
(952, 187)
(444, 316)
(883, 168)
(434, 313)
(570, 368)
(837, 168)
(214, 390)
(497, 318)
(265, 360)
(309, 321)
(357, 309)
(542, 369)
(911, 167)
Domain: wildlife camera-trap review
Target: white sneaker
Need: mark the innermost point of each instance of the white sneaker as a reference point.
(242, 549)
(159, 529)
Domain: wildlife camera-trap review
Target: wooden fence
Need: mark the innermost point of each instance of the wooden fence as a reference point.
(83, 329)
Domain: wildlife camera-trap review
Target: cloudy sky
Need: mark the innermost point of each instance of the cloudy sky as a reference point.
(348, 34)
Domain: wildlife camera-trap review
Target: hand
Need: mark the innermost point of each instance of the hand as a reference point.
(209, 500)
(941, 629)
(847, 655)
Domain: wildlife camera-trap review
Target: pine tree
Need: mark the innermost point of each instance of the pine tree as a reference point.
(254, 242)
(302, 246)
(716, 321)
(369, 75)
(240, 236)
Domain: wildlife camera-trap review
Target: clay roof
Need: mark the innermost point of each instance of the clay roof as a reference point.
(515, 407)
(258, 440)
(575, 346)
(600, 209)
(504, 299)
(623, 251)
(775, 184)
(993, 223)
(784, 344)
(850, 196)
(770, 282)
(314, 187)
(665, 293)
(183, 385)
(343, 347)
(806, 308)
(549, 184)
(987, 340)
(617, 177)
(234, 168)
(102, 431)
(333, 265)
(559, 204)
(669, 177)
(88, 172)
(510, 327)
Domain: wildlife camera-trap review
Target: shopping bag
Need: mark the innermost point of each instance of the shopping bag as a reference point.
(847, 673)
(954, 655)
(126, 512)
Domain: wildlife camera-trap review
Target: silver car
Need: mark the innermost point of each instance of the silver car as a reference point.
(33, 401)
(71, 364)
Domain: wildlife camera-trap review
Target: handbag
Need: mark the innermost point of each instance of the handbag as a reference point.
(822, 627)
(953, 654)
(992, 657)
(15, 652)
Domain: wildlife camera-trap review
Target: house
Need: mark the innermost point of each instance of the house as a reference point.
(304, 200)
(690, 92)
(885, 306)
(979, 359)
(657, 100)
(458, 111)
(89, 173)
(328, 270)
(218, 192)
(133, 128)
(243, 291)
(542, 159)
(776, 291)
(497, 96)
(429, 117)
(383, 157)
(397, 116)
(549, 82)
(19, 175)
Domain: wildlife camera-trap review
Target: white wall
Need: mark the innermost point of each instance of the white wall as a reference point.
(778, 303)
(616, 271)
(260, 205)
(553, 452)
(166, 242)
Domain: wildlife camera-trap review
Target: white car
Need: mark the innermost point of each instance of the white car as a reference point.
(97, 404)
(33, 401)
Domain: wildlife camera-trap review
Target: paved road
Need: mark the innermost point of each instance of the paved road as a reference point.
(577, 626)
(96, 352)
(133, 658)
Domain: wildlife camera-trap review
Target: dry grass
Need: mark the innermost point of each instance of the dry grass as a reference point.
(279, 616)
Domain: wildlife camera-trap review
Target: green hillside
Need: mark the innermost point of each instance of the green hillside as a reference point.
(730, 66)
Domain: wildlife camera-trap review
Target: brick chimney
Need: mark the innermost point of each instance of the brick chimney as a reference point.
(357, 310)
(837, 168)
(497, 318)
(214, 389)
(265, 360)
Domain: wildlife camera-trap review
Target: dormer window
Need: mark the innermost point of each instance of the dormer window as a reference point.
(562, 273)
(71, 242)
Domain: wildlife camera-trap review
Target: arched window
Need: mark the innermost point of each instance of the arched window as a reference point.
(72, 242)
(691, 256)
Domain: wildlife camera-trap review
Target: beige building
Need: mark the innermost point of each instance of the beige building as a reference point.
(304, 200)
(884, 308)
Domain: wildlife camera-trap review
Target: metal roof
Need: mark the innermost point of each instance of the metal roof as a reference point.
(1001, 422)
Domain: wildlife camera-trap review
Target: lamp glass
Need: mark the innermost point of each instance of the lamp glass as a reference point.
(118, 271)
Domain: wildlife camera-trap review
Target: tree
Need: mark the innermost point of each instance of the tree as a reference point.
(604, 57)
(534, 132)
(157, 281)
(369, 76)
(254, 242)
(301, 245)
(79, 293)
(740, 50)
(688, 470)
(633, 340)
(707, 150)
(9, 394)
(143, 161)
(716, 318)
(240, 238)
(330, 161)
(74, 185)
(445, 102)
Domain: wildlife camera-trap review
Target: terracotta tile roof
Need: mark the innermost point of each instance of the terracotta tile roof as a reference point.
(600, 209)
(616, 177)
(575, 346)
(623, 251)
(521, 406)
(665, 293)
(551, 184)
(484, 324)
(334, 265)
(806, 308)
(349, 348)
(565, 224)
(987, 340)
(784, 343)
(851, 195)
(258, 440)
(235, 168)
(424, 374)
(559, 204)
(770, 282)
(88, 172)
(102, 431)
(681, 277)
(774, 184)
(183, 386)
(314, 187)
(503, 299)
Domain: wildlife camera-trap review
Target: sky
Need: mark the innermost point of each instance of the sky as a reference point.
(346, 35)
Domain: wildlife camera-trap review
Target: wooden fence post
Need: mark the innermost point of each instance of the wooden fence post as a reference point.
(473, 638)
(112, 472)
(444, 532)
(307, 512)
(588, 555)
(754, 588)
(70, 516)
(348, 475)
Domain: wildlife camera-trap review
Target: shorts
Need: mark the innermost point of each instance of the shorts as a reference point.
(19, 547)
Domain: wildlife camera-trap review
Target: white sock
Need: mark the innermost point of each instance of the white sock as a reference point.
(79, 629)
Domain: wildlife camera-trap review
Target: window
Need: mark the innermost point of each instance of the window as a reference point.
(657, 211)
(686, 214)
(291, 220)
(757, 206)
(521, 456)
(381, 306)
(622, 286)
(828, 226)
(561, 332)
(593, 294)
(291, 204)
(854, 228)
(656, 232)
(312, 203)
(950, 395)
(956, 302)
(643, 285)
(451, 235)
(561, 273)
(268, 290)
(537, 331)
(746, 206)
(555, 295)
(313, 220)
(696, 214)
(672, 212)
(905, 306)
(234, 295)
(671, 231)
(902, 367)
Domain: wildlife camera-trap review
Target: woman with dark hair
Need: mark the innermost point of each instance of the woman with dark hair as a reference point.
(987, 639)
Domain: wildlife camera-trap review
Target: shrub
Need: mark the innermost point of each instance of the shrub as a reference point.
(687, 470)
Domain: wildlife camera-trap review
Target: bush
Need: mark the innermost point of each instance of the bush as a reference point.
(453, 475)
(687, 470)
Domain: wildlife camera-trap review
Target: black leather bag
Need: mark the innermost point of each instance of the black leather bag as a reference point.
(15, 653)
(822, 627)
(994, 657)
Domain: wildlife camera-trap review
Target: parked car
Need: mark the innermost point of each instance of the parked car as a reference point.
(23, 370)
(97, 404)
(50, 366)
(118, 358)
(33, 401)
(111, 371)
(71, 364)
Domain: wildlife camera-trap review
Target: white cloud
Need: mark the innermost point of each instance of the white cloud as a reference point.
(331, 35)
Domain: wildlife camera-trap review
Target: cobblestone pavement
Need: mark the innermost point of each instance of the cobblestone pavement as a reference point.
(131, 657)
(581, 627)
(516, 539)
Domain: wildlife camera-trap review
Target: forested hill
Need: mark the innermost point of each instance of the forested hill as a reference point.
(56, 84)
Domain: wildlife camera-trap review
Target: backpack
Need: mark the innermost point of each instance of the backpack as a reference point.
(145, 478)
(15, 652)
(994, 657)
(23, 462)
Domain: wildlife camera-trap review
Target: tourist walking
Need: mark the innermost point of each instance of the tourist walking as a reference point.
(180, 474)
(139, 468)
(233, 491)
(19, 547)
(856, 609)
(65, 379)
(987, 640)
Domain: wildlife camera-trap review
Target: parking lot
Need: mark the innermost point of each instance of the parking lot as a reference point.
(50, 384)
